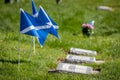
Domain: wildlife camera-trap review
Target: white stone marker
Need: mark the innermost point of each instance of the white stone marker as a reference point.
(74, 58)
(82, 51)
(65, 67)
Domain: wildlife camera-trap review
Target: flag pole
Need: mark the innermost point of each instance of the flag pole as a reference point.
(33, 39)
(33, 42)
(34, 12)
(19, 51)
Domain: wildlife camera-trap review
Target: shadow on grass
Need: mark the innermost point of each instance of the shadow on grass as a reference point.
(13, 61)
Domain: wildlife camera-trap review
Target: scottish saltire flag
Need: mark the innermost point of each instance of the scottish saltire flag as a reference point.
(46, 20)
(26, 27)
(39, 24)
(42, 16)
(27, 23)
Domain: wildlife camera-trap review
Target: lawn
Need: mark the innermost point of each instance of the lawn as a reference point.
(69, 15)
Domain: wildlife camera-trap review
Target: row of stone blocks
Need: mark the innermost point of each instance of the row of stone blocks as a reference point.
(73, 57)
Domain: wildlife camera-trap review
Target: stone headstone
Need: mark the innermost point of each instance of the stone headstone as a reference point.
(75, 58)
(82, 51)
(65, 67)
(106, 8)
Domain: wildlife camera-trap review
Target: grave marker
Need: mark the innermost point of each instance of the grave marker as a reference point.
(65, 67)
(82, 51)
(74, 58)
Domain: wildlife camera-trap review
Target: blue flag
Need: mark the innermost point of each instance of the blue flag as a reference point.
(27, 23)
(26, 26)
(39, 24)
(42, 16)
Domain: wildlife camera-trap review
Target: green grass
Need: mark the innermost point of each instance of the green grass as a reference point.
(69, 15)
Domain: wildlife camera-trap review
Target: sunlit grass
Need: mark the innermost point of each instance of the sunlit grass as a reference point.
(69, 15)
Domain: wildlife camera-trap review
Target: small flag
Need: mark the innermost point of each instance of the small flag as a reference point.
(39, 24)
(42, 15)
(27, 26)
(44, 20)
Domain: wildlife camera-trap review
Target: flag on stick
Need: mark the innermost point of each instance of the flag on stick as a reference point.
(38, 25)
(44, 21)
(27, 26)
(43, 16)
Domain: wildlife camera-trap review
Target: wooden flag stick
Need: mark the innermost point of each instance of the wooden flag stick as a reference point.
(33, 38)
(19, 52)
(33, 42)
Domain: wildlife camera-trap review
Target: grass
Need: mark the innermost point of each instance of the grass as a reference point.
(69, 15)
